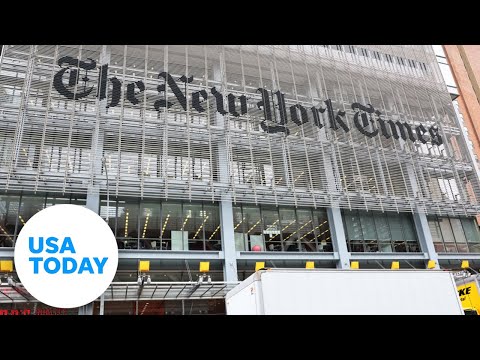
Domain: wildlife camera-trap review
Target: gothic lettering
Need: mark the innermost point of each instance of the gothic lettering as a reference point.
(363, 118)
(74, 77)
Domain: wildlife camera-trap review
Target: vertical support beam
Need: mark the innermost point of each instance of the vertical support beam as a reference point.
(93, 191)
(330, 167)
(421, 223)
(425, 237)
(226, 210)
(228, 242)
(339, 242)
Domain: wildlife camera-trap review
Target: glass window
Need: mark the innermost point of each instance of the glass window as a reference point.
(472, 235)
(447, 75)
(306, 234)
(381, 223)
(172, 221)
(253, 226)
(369, 233)
(384, 232)
(239, 231)
(193, 220)
(8, 218)
(368, 226)
(409, 232)
(149, 221)
(454, 234)
(212, 228)
(321, 231)
(354, 228)
(459, 235)
(29, 206)
(289, 229)
(271, 230)
(436, 234)
(127, 223)
(447, 234)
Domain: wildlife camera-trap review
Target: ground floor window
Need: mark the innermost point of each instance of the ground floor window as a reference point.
(163, 225)
(375, 231)
(269, 228)
(454, 235)
(17, 209)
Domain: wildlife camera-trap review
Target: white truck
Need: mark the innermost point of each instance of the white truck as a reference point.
(345, 292)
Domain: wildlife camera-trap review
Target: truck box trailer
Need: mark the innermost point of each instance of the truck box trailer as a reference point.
(468, 286)
(345, 292)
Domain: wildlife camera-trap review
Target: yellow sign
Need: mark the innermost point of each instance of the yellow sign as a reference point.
(469, 296)
(6, 265)
(144, 265)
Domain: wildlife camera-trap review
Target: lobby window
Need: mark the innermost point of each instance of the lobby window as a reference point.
(157, 225)
(374, 231)
(455, 235)
(8, 218)
(127, 224)
(149, 221)
(269, 228)
(29, 206)
(16, 210)
(172, 223)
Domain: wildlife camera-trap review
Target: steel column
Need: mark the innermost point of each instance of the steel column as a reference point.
(338, 237)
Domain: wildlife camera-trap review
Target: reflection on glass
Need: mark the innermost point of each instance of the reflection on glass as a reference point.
(193, 221)
(322, 231)
(239, 232)
(172, 221)
(436, 234)
(149, 225)
(380, 232)
(127, 224)
(29, 206)
(271, 231)
(306, 234)
(253, 226)
(211, 228)
(289, 229)
(8, 218)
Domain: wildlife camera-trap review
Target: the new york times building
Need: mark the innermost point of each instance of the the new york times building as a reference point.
(236, 155)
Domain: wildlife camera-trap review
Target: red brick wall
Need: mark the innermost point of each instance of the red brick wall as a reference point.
(468, 102)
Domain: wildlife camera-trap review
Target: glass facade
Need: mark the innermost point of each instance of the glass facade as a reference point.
(16, 210)
(454, 235)
(267, 228)
(159, 225)
(177, 225)
(374, 231)
(286, 132)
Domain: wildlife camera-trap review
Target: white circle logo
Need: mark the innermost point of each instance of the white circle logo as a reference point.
(66, 256)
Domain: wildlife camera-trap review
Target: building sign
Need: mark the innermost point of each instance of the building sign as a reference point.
(367, 119)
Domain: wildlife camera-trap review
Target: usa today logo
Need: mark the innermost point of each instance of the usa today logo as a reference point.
(66, 256)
